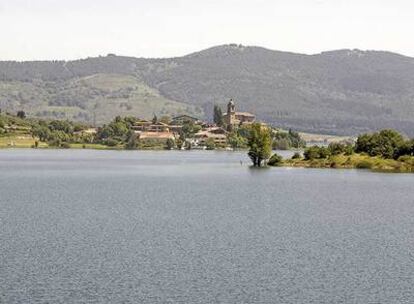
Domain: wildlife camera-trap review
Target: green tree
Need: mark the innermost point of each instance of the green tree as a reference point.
(41, 131)
(385, 143)
(179, 142)
(235, 140)
(218, 116)
(311, 153)
(21, 114)
(189, 129)
(155, 119)
(260, 144)
(170, 144)
(316, 152)
(275, 160)
(296, 140)
(286, 140)
(132, 142)
(210, 144)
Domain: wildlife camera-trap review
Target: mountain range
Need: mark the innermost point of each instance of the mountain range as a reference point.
(344, 92)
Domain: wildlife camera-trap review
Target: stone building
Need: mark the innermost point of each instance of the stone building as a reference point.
(235, 119)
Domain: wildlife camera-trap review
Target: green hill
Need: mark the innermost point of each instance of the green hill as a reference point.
(344, 92)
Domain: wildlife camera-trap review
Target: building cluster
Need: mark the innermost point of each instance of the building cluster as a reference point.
(161, 131)
(146, 129)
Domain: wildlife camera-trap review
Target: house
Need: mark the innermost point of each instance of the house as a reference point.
(147, 126)
(181, 119)
(141, 125)
(234, 119)
(155, 135)
(175, 128)
(91, 131)
(219, 135)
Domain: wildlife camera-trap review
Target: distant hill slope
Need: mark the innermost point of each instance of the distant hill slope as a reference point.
(339, 92)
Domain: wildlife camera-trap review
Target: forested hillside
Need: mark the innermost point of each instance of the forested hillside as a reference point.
(340, 92)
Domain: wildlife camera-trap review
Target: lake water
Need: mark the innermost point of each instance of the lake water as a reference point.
(198, 227)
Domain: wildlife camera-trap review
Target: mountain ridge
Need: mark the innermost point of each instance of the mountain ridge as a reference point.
(335, 92)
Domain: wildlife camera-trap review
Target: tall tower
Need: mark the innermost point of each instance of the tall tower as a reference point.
(231, 113)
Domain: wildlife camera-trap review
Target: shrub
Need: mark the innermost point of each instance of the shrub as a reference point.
(210, 144)
(316, 152)
(364, 164)
(65, 145)
(111, 142)
(275, 160)
(296, 156)
(311, 153)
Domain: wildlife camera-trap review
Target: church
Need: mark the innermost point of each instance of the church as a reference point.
(235, 119)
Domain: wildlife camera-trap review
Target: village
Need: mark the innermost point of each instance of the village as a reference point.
(229, 130)
(206, 135)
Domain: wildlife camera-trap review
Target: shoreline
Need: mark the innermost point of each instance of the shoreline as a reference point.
(342, 162)
(355, 161)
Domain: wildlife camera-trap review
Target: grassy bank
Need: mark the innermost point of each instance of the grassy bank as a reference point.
(404, 164)
(27, 141)
(18, 141)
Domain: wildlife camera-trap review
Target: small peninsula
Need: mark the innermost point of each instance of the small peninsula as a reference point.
(384, 151)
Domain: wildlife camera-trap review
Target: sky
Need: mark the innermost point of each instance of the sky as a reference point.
(72, 29)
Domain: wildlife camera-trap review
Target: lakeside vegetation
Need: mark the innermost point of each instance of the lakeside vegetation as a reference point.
(17, 130)
(386, 151)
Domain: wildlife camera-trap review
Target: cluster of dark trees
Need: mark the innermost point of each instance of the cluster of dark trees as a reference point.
(388, 144)
(316, 152)
(60, 133)
(287, 140)
(218, 116)
(118, 131)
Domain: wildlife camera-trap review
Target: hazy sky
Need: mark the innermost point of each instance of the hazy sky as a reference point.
(68, 29)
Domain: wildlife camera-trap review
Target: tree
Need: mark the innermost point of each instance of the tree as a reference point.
(42, 132)
(132, 142)
(155, 119)
(170, 144)
(385, 143)
(21, 114)
(316, 152)
(179, 142)
(189, 129)
(311, 153)
(235, 140)
(210, 144)
(286, 140)
(260, 144)
(275, 160)
(218, 116)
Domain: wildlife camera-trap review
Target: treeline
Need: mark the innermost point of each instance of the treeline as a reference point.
(387, 144)
(283, 140)
(60, 133)
(30, 71)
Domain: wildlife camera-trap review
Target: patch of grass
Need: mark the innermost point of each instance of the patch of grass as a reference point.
(19, 141)
(356, 161)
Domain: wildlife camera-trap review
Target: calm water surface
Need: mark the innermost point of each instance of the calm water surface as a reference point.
(198, 227)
